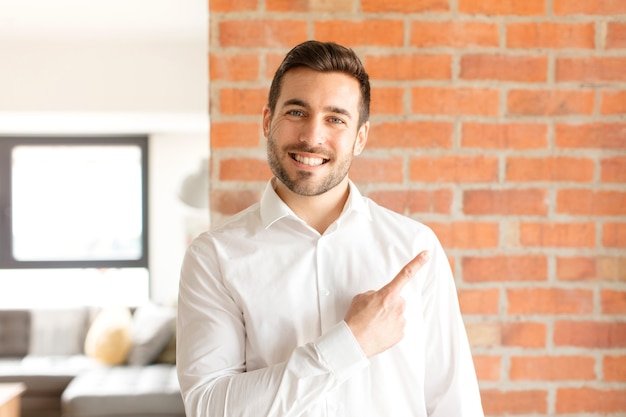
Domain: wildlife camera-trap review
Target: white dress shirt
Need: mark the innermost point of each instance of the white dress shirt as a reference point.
(260, 320)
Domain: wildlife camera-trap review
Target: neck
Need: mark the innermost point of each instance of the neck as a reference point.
(318, 211)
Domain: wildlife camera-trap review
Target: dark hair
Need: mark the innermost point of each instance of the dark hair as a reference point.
(324, 57)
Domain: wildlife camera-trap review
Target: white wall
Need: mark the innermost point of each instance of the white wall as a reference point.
(97, 85)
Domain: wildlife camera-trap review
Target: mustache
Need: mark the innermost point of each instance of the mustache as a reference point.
(306, 149)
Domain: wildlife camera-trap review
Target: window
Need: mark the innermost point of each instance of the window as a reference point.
(74, 203)
(78, 202)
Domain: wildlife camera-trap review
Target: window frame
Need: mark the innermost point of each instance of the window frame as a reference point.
(7, 143)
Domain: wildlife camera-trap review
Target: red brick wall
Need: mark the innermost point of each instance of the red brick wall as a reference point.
(502, 125)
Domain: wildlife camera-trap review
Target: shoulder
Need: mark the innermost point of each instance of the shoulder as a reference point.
(245, 223)
(382, 217)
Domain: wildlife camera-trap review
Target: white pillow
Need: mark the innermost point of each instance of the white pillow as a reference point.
(152, 329)
(57, 332)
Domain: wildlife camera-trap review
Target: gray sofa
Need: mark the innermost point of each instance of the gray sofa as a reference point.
(76, 363)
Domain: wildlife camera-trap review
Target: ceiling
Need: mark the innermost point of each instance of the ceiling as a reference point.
(128, 19)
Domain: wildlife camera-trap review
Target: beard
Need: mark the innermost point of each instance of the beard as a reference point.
(302, 182)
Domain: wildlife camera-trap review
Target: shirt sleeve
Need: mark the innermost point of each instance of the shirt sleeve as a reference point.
(451, 387)
(211, 338)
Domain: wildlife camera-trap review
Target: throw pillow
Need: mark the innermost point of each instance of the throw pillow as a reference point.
(58, 331)
(109, 339)
(169, 352)
(152, 328)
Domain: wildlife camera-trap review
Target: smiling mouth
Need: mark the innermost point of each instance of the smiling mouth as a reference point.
(305, 160)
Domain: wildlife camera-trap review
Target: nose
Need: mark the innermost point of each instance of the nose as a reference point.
(313, 132)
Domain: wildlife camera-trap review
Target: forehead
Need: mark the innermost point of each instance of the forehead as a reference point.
(320, 88)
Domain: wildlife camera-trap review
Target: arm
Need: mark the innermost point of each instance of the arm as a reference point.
(450, 389)
(211, 353)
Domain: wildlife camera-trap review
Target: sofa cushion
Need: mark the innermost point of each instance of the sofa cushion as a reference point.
(152, 327)
(108, 339)
(14, 333)
(119, 391)
(58, 331)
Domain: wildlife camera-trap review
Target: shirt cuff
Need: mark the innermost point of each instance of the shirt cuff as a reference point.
(341, 351)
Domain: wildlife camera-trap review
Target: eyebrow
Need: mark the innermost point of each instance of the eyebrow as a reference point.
(331, 109)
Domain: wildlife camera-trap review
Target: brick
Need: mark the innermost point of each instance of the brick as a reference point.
(552, 368)
(467, 235)
(561, 235)
(262, 33)
(525, 334)
(232, 5)
(479, 301)
(453, 169)
(550, 103)
(613, 302)
(374, 170)
(507, 202)
(238, 67)
(500, 403)
(403, 6)
(455, 101)
(503, 7)
(593, 7)
(585, 202)
(613, 102)
(597, 268)
(411, 135)
(369, 32)
(244, 169)
(488, 334)
(502, 67)
(614, 235)
(614, 368)
(611, 268)
(249, 101)
(335, 6)
(518, 136)
(229, 202)
(553, 301)
(487, 367)
(484, 334)
(578, 268)
(507, 268)
(415, 201)
(591, 69)
(387, 101)
(549, 169)
(454, 33)
(590, 334)
(616, 35)
(409, 67)
(590, 400)
(234, 135)
(593, 136)
(550, 35)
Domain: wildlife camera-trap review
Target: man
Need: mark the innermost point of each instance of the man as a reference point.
(304, 303)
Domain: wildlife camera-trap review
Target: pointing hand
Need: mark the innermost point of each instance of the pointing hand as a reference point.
(376, 317)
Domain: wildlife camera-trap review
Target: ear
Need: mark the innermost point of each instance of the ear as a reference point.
(361, 138)
(267, 118)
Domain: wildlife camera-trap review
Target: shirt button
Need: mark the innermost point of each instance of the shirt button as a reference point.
(325, 292)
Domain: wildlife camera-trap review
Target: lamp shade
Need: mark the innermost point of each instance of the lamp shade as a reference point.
(194, 190)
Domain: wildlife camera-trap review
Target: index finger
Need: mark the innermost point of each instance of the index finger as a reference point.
(407, 272)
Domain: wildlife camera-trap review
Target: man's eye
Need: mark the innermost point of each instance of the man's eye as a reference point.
(298, 113)
(335, 120)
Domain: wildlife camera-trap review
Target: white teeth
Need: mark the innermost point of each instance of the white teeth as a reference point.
(308, 161)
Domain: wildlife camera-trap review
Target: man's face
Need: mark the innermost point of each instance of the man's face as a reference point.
(313, 134)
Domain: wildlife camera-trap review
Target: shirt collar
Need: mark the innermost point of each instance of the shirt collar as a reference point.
(274, 209)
